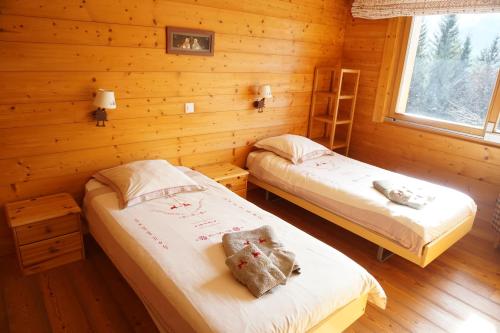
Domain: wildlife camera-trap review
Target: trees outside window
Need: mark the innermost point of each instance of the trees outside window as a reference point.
(453, 68)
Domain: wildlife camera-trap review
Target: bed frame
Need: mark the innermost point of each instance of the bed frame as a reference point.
(342, 318)
(429, 252)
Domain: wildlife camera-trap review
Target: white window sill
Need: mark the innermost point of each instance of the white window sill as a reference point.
(490, 139)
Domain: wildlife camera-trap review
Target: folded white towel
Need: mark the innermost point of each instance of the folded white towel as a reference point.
(401, 194)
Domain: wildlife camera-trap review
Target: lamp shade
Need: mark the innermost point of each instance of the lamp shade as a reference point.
(265, 91)
(105, 99)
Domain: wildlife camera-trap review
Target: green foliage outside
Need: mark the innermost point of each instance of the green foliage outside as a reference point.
(447, 82)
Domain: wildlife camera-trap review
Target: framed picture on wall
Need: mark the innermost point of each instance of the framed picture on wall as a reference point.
(190, 41)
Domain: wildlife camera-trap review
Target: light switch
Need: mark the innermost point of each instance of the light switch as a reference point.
(189, 107)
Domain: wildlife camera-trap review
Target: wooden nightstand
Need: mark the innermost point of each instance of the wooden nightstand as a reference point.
(227, 174)
(47, 232)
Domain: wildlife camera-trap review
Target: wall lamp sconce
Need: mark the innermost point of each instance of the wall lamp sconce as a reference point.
(263, 93)
(104, 99)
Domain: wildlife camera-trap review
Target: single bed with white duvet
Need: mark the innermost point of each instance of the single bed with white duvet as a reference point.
(170, 252)
(343, 186)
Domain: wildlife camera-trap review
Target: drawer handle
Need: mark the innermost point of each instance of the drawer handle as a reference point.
(48, 229)
(53, 249)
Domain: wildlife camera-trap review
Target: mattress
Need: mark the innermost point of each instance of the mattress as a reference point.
(344, 186)
(170, 251)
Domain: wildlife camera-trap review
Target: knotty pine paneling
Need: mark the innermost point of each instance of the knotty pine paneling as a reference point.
(468, 166)
(56, 53)
(30, 29)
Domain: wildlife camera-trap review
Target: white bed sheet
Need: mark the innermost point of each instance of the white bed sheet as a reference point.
(177, 243)
(344, 186)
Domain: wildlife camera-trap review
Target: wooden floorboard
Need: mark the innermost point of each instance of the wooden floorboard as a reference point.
(65, 312)
(457, 292)
(23, 300)
(132, 309)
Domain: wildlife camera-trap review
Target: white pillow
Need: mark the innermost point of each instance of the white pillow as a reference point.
(141, 181)
(295, 148)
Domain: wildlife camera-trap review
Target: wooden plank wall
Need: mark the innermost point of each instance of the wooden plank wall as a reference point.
(470, 167)
(54, 54)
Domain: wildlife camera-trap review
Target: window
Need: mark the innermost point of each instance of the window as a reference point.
(448, 71)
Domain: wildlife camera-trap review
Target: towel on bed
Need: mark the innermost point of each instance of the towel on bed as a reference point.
(402, 195)
(267, 241)
(255, 270)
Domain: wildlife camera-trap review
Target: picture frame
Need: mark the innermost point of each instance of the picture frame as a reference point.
(190, 41)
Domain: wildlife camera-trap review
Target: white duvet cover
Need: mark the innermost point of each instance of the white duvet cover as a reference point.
(344, 186)
(176, 242)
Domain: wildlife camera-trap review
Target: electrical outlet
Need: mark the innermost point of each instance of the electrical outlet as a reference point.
(189, 107)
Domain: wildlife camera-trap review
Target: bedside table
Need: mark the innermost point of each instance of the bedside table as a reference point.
(227, 174)
(47, 232)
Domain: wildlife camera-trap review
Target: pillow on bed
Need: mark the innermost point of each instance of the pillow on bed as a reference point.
(141, 181)
(295, 148)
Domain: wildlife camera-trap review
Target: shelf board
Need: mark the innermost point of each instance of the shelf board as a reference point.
(337, 144)
(343, 121)
(350, 71)
(324, 119)
(333, 94)
(325, 141)
(329, 120)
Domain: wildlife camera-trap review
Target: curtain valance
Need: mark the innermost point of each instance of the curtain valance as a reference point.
(377, 9)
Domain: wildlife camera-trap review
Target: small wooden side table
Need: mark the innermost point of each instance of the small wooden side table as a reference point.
(227, 174)
(47, 232)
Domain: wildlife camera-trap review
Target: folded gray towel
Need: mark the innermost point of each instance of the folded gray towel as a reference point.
(285, 261)
(402, 195)
(255, 270)
(265, 238)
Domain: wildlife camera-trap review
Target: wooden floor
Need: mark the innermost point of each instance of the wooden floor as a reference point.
(459, 292)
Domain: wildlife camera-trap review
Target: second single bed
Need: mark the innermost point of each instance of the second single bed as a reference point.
(340, 189)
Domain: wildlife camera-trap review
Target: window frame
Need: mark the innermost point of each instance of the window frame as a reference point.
(389, 99)
(494, 112)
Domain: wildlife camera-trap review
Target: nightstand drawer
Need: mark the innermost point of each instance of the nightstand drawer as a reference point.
(54, 262)
(63, 225)
(41, 251)
(235, 184)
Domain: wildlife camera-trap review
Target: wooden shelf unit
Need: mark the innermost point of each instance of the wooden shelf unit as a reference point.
(336, 92)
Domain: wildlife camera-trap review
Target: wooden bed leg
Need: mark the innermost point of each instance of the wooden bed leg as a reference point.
(270, 196)
(381, 256)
